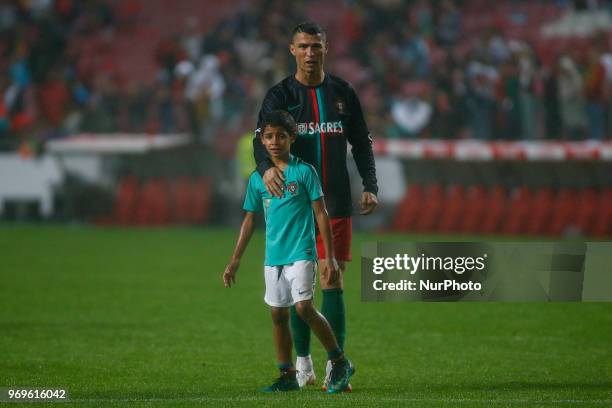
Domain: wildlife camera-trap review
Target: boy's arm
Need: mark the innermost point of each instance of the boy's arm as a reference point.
(324, 225)
(246, 230)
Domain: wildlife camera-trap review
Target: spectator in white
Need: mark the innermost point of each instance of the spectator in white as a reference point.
(192, 39)
(204, 90)
(527, 98)
(411, 111)
(481, 80)
(254, 53)
(497, 48)
(571, 99)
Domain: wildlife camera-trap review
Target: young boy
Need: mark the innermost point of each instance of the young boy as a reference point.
(290, 262)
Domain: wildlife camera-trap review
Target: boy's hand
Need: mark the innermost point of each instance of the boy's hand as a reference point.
(229, 276)
(333, 271)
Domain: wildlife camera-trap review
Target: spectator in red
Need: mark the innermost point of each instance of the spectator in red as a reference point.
(54, 97)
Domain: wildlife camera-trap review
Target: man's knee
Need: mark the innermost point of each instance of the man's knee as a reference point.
(324, 273)
(280, 315)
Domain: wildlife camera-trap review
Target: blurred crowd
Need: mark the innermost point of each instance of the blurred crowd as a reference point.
(417, 73)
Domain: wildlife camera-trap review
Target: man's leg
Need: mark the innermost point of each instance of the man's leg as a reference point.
(342, 369)
(333, 301)
(301, 340)
(333, 298)
(332, 306)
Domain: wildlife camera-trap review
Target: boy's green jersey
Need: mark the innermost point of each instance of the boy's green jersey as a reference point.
(290, 231)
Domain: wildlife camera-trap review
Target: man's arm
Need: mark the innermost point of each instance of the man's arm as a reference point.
(273, 177)
(322, 218)
(246, 231)
(360, 139)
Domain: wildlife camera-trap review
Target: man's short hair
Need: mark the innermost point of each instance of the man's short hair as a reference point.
(309, 27)
(282, 119)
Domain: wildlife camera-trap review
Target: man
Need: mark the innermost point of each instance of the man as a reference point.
(328, 115)
(290, 251)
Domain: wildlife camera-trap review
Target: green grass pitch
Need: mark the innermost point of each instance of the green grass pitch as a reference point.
(140, 317)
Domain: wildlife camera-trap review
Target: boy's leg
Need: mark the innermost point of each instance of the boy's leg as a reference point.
(282, 335)
(282, 343)
(278, 297)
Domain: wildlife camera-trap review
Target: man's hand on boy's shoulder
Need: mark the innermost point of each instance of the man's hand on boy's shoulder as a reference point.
(229, 276)
(274, 180)
(333, 271)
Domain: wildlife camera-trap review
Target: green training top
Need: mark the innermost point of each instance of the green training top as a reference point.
(290, 232)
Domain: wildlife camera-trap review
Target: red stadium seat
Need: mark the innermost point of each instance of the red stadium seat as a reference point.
(564, 212)
(496, 207)
(602, 226)
(201, 195)
(452, 209)
(125, 204)
(153, 204)
(181, 200)
(540, 211)
(520, 205)
(431, 209)
(587, 203)
(408, 209)
(474, 209)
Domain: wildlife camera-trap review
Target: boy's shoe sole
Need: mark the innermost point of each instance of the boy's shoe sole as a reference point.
(269, 390)
(282, 385)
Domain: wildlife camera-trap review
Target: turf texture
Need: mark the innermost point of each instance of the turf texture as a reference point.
(140, 317)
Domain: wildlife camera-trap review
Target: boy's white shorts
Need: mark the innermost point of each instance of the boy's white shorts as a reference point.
(288, 284)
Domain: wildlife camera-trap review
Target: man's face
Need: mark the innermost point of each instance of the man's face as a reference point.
(277, 141)
(309, 51)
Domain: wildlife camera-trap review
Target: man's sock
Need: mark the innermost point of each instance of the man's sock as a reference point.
(335, 355)
(301, 334)
(333, 310)
(304, 363)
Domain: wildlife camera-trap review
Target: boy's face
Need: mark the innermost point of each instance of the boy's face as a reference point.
(277, 141)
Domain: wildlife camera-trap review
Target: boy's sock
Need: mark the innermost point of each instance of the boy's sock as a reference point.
(285, 368)
(333, 310)
(301, 334)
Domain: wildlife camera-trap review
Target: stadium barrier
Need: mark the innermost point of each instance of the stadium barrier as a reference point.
(511, 188)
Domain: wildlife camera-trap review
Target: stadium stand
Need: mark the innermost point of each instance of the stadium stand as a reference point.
(505, 81)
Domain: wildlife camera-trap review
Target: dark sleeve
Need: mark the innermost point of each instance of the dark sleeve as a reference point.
(360, 139)
(272, 101)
